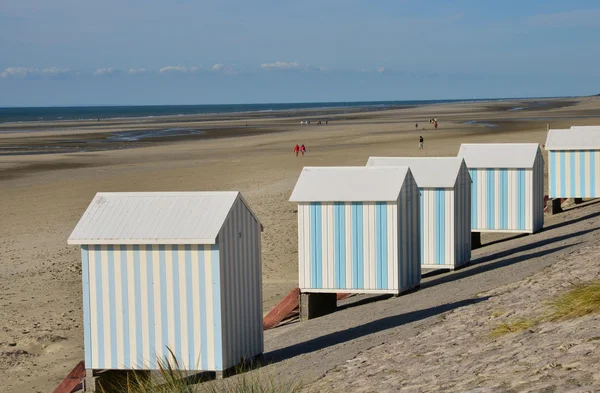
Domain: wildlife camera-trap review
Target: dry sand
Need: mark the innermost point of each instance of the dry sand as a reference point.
(43, 196)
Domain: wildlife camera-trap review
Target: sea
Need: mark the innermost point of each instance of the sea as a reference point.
(33, 114)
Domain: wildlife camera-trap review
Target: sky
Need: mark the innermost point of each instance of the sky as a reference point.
(145, 52)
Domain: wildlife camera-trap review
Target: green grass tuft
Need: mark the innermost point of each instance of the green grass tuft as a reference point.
(582, 300)
(513, 327)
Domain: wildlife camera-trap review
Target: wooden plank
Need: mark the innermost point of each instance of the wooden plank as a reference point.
(74, 378)
(562, 200)
(282, 309)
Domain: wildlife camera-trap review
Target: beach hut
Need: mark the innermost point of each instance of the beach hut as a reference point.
(170, 271)
(507, 186)
(445, 204)
(358, 230)
(573, 162)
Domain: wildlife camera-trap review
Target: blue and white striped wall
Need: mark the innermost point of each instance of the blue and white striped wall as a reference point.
(203, 302)
(572, 173)
(445, 227)
(241, 292)
(359, 247)
(141, 301)
(507, 200)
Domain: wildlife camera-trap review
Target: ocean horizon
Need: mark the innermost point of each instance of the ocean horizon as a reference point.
(72, 113)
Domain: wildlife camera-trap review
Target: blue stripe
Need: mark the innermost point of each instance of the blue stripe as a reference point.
(592, 174)
(504, 199)
(203, 320)
(491, 199)
(582, 180)
(563, 174)
(164, 321)
(125, 294)
(340, 245)
(572, 180)
(520, 199)
(99, 308)
(87, 323)
(138, 305)
(112, 304)
(422, 221)
(473, 173)
(150, 297)
(357, 244)
(176, 301)
(216, 287)
(189, 285)
(552, 176)
(440, 214)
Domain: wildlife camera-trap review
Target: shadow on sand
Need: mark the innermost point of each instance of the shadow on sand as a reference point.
(379, 325)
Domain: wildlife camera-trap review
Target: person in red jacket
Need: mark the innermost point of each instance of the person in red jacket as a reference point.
(296, 150)
(303, 149)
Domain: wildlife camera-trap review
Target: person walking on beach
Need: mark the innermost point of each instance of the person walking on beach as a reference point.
(296, 150)
(303, 149)
(420, 142)
(416, 125)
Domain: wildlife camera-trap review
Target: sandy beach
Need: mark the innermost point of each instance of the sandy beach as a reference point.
(42, 196)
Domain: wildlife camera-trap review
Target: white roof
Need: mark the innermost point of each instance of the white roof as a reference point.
(585, 127)
(349, 184)
(154, 218)
(573, 139)
(499, 155)
(428, 171)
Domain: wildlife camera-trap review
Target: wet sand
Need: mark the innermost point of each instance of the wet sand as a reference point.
(43, 196)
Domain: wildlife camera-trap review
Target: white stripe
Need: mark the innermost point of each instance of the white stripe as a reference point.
(170, 290)
(118, 279)
(185, 353)
(568, 179)
(157, 301)
(395, 247)
(390, 246)
(597, 172)
(307, 246)
(588, 191)
(210, 312)
(366, 245)
(330, 248)
(372, 266)
(577, 172)
(482, 185)
(196, 306)
(528, 199)
(301, 246)
(348, 222)
(324, 246)
(144, 304)
(497, 198)
(449, 227)
(134, 358)
(93, 309)
(106, 307)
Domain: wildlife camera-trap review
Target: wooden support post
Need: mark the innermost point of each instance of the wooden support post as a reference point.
(578, 200)
(554, 206)
(475, 240)
(314, 305)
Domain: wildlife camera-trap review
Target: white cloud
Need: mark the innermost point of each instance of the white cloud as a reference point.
(218, 67)
(24, 72)
(576, 18)
(179, 68)
(280, 65)
(380, 69)
(133, 71)
(105, 71)
(322, 69)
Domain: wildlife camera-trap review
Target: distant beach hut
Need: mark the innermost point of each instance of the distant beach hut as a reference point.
(445, 204)
(177, 271)
(507, 186)
(574, 162)
(358, 230)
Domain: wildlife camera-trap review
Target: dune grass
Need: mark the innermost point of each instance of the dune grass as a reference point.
(171, 379)
(582, 299)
